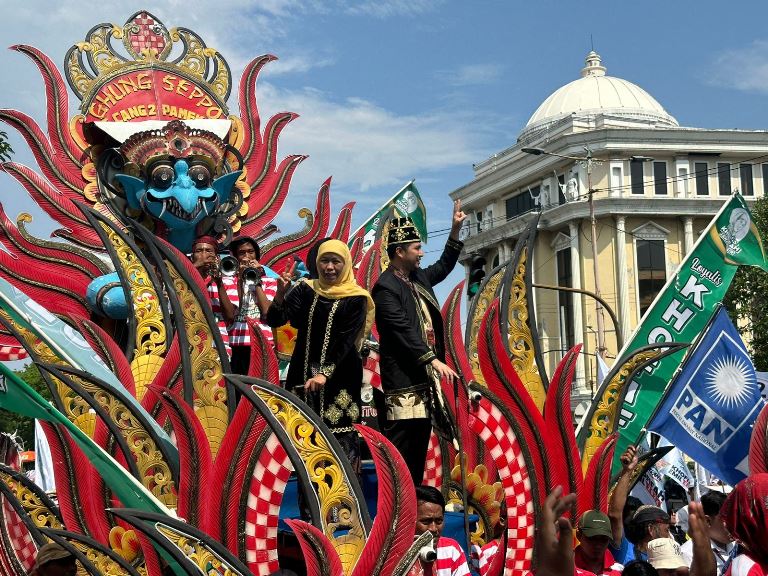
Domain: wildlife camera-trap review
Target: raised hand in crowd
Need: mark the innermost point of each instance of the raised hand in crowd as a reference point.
(458, 219)
(629, 460)
(553, 546)
(703, 560)
(285, 280)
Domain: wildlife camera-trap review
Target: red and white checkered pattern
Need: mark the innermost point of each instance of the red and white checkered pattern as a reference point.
(270, 476)
(239, 332)
(433, 468)
(10, 353)
(21, 541)
(490, 424)
(146, 37)
(371, 370)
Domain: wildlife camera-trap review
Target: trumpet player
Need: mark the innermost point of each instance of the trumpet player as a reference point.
(255, 292)
(222, 290)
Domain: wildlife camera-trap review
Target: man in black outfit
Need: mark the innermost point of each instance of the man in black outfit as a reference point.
(411, 341)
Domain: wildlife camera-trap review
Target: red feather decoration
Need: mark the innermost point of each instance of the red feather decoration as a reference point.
(456, 353)
(343, 223)
(279, 254)
(319, 554)
(69, 156)
(264, 362)
(194, 458)
(392, 532)
(503, 381)
(594, 492)
(562, 448)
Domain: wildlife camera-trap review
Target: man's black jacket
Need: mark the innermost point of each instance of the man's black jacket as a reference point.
(403, 352)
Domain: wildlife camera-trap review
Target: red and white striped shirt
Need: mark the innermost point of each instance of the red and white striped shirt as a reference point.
(743, 565)
(450, 561)
(486, 555)
(239, 333)
(230, 285)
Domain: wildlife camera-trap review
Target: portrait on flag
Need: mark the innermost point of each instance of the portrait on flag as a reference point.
(711, 405)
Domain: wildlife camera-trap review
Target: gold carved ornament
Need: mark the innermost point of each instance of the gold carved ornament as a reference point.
(339, 507)
(483, 498)
(154, 472)
(210, 401)
(483, 301)
(150, 338)
(197, 552)
(521, 347)
(41, 515)
(603, 420)
(74, 406)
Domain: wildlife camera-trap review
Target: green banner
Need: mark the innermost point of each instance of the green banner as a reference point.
(684, 307)
(407, 202)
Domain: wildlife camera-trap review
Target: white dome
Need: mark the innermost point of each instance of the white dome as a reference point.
(596, 93)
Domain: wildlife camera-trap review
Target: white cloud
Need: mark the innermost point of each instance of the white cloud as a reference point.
(471, 74)
(389, 8)
(742, 68)
(365, 145)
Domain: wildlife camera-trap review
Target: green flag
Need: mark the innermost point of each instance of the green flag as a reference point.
(407, 202)
(684, 307)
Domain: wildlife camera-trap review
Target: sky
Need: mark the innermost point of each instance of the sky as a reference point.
(390, 90)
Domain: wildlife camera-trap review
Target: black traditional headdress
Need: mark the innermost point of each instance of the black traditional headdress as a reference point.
(402, 231)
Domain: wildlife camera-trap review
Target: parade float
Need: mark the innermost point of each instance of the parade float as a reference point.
(157, 468)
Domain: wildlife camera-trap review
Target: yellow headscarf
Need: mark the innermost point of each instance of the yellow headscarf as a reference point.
(347, 285)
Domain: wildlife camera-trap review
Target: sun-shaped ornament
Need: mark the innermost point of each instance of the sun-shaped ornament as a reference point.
(729, 381)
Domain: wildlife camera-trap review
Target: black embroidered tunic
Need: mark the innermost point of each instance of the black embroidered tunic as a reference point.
(327, 330)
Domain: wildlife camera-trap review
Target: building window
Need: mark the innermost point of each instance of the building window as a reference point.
(636, 175)
(747, 185)
(660, 178)
(561, 188)
(765, 179)
(565, 300)
(651, 271)
(518, 205)
(724, 178)
(702, 178)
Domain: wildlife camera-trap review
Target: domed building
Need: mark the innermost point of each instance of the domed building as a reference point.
(655, 187)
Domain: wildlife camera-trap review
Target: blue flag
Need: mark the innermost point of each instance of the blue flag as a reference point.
(711, 405)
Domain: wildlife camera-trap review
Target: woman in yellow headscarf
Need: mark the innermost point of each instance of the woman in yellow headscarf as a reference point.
(332, 315)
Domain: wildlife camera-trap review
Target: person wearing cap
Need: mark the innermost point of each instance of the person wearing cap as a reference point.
(664, 555)
(410, 325)
(254, 300)
(648, 523)
(54, 560)
(719, 539)
(221, 290)
(591, 556)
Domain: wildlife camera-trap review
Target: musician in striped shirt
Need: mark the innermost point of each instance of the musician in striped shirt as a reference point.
(430, 515)
(255, 293)
(221, 290)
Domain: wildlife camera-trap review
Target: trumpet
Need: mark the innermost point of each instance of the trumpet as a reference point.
(228, 266)
(252, 275)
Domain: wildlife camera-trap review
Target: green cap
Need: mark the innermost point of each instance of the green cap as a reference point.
(595, 523)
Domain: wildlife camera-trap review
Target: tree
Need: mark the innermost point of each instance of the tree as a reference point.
(747, 298)
(5, 148)
(24, 426)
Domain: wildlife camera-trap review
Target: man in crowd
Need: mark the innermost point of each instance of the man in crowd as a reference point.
(411, 339)
(54, 560)
(719, 539)
(664, 555)
(622, 506)
(255, 292)
(430, 516)
(594, 533)
(222, 290)
(648, 523)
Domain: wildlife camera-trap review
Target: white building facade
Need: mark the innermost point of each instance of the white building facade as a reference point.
(655, 187)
